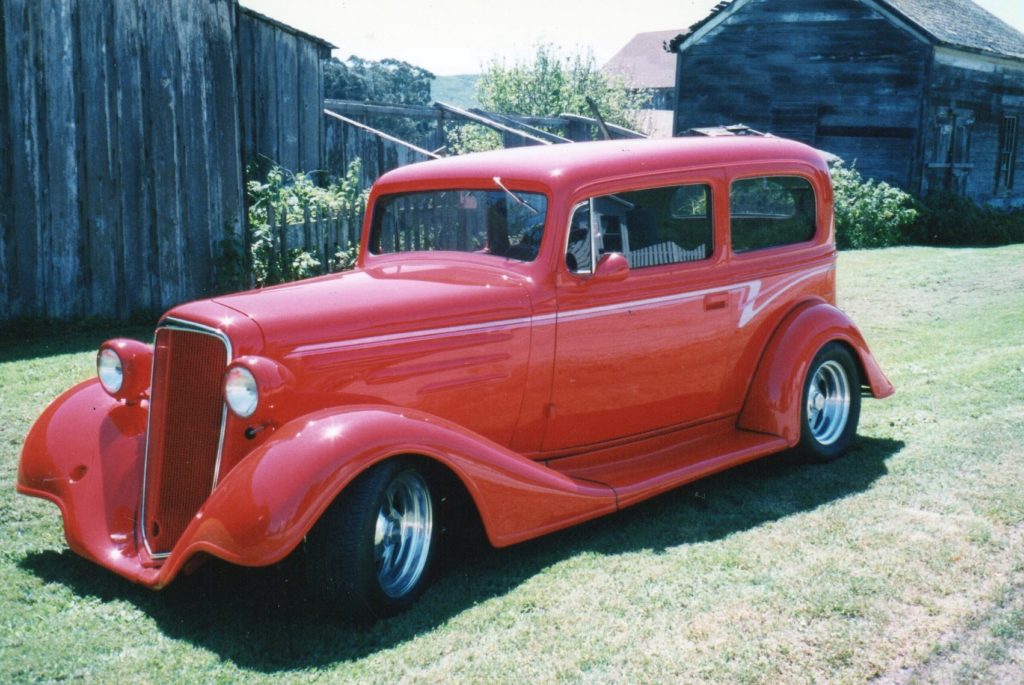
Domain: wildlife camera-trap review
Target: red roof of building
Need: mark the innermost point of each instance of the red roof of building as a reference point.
(643, 62)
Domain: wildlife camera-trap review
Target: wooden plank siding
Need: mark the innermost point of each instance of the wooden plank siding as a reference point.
(6, 218)
(281, 95)
(345, 143)
(989, 89)
(125, 128)
(835, 74)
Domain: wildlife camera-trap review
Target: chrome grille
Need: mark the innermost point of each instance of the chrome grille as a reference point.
(186, 421)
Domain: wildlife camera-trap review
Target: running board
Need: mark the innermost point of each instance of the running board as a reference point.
(668, 463)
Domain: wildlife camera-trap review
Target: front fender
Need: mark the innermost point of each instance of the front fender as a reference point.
(773, 402)
(84, 454)
(265, 506)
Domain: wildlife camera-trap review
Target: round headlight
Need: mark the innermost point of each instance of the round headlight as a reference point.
(110, 370)
(240, 391)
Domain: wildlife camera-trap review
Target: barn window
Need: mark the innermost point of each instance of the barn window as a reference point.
(950, 162)
(1007, 160)
(770, 211)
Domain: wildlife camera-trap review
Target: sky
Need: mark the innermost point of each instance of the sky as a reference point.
(461, 36)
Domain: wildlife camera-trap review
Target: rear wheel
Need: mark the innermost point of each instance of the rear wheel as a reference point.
(371, 553)
(830, 407)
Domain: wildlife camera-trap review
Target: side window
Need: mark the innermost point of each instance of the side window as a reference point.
(649, 227)
(770, 211)
(579, 255)
(1006, 162)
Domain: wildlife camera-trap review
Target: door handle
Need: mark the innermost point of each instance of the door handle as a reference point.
(715, 301)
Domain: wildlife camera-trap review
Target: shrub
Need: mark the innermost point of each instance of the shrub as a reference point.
(291, 198)
(470, 137)
(950, 219)
(870, 213)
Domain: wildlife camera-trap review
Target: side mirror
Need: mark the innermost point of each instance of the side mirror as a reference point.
(611, 267)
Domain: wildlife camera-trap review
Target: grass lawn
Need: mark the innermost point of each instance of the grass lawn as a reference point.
(904, 561)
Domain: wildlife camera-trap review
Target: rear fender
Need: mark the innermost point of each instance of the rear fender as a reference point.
(773, 401)
(267, 504)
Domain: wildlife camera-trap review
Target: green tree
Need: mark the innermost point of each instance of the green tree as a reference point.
(388, 81)
(554, 83)
(385, 82)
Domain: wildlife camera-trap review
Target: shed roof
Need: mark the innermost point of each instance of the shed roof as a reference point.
(956, 23)
(322, 42)
(962, 24)
(643, 62)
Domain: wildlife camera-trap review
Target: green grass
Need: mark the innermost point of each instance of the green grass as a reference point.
(903, 561)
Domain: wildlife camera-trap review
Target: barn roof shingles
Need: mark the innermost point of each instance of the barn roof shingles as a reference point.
(957, 23)
(963, 24)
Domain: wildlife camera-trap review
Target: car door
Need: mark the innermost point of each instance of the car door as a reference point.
(648, 351)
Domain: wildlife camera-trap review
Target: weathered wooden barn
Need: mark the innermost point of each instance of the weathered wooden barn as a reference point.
(925, 94)
(126, 127)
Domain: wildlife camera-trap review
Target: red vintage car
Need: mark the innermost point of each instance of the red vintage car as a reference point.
(544, 335)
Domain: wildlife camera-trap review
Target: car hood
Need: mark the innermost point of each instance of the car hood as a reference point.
(379, 302)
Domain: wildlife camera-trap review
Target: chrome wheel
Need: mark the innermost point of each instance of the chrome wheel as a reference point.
(828, 402)
(403, 533)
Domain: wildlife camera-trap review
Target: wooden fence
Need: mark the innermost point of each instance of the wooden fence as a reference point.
(122, 160)
(350, 134)
(347, 140)
(321, 233)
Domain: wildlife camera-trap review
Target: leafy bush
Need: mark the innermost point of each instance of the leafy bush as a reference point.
(470, 137)
(870, 213)
(554, 83)
(950, 219)
(290, 199)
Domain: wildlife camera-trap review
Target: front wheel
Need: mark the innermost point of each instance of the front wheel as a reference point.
(370, 554)
(830, 406)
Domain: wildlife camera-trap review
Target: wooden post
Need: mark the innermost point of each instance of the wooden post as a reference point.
(440, 138)
(283, 241)
(307, 231)
(321, 243)
(272, 259)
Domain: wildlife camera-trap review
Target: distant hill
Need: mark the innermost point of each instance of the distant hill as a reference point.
(459, 90)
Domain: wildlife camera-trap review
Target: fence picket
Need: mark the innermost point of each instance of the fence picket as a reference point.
(307, 230)
(283, 240)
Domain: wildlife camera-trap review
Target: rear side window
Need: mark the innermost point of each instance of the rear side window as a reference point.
(650, 227)
(771, 211)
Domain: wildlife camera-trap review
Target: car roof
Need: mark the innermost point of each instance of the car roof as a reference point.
(574, 164)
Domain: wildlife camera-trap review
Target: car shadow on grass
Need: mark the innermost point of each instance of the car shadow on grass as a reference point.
(34, 342)
(260, 619)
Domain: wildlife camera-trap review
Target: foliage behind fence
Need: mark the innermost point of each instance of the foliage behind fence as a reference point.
(297, 229)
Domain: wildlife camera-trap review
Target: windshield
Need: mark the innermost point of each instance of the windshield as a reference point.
(506, 224)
